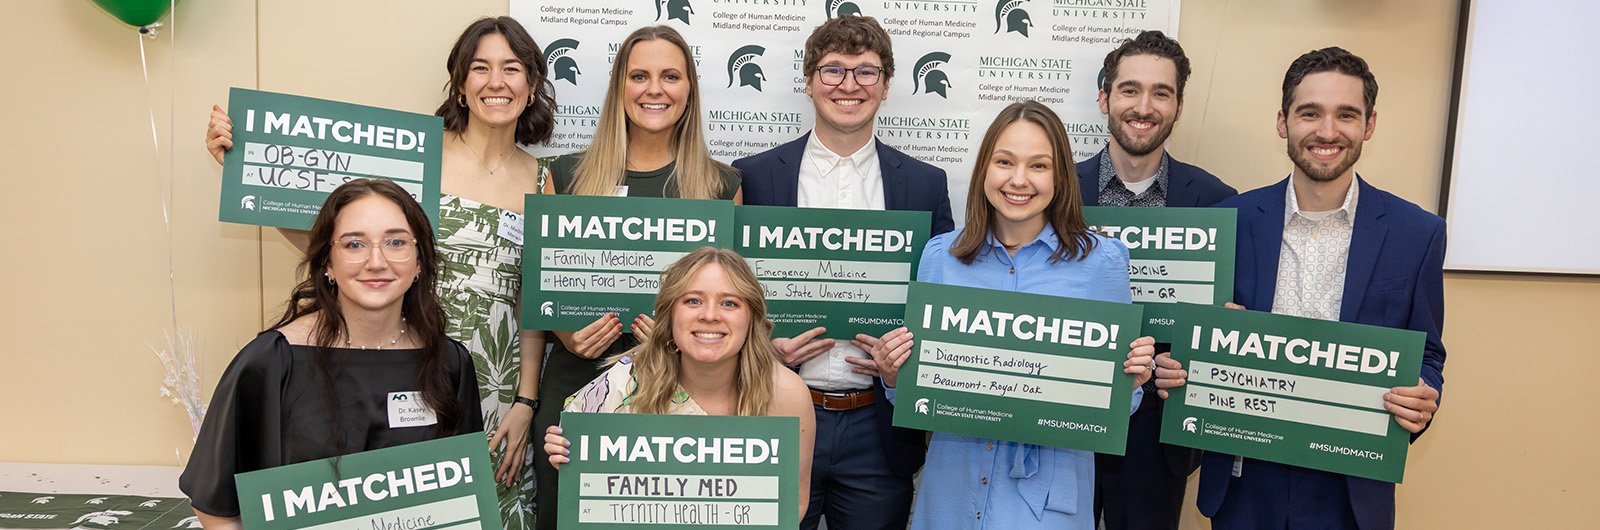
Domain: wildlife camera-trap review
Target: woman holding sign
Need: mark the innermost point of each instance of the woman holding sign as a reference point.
(709, 355)
(1024, 230)
(649, 143)
(363, 327)
(498, 96)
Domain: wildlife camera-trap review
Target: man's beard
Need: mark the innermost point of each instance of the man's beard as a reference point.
(1304, 165)
(1127, 142)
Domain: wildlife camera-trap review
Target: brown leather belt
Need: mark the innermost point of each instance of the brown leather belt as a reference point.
(842, 400)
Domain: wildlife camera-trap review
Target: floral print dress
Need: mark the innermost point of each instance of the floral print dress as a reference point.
(480, 282)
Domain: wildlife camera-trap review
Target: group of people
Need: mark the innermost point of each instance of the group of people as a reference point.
(388, 304)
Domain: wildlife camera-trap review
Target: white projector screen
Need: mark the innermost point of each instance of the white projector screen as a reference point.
(1524, 193)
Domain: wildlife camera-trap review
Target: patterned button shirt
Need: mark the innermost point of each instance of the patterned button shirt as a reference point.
(1114, 193)
(1311, 264)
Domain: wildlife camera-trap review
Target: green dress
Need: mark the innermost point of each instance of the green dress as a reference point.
(479, 285)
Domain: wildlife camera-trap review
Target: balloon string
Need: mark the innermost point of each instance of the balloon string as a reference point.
(155, 145)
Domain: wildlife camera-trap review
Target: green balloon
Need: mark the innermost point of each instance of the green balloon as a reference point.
(137, 13)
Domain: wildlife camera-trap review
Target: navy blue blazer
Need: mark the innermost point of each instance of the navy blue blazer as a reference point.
(1187, 186)
(1394, 278)
(772, 178)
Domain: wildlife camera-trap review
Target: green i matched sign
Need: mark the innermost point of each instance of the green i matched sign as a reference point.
(289, 152)
(846, 270)
(588, 256)
(444, 484)
(664, 471)
(1029, 368)
(1297, 391)
(1175, 255)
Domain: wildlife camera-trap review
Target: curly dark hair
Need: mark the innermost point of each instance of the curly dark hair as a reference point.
(538, 120)
(850, 35)
(1151, 42)
(1330, 59)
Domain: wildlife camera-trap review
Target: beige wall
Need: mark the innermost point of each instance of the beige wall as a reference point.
(86, 285)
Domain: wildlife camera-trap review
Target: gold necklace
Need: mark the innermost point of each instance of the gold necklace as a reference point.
(504, 159)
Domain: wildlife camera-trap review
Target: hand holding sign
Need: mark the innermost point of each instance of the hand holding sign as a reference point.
(642, 325)
(1412, 406)
(593, 340)
(890, 354)
(1169, 374)
(556, 445)
(796, 350)
(1139, 362)
(219, 133)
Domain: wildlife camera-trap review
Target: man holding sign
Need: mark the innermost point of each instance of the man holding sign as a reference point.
(1326, 244)
(863, 466)
(1142, 97)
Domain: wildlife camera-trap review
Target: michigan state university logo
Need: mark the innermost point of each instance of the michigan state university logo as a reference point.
(842, 8)
(742, 67)
(562, 66)
(1009, 16)
(929, 78)
(674, 10)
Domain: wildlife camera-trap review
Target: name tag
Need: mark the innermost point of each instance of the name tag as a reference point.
(1238, 466)
(406, 409)
(511, 226)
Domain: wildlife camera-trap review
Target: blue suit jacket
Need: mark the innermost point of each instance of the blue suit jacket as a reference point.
(1187, 186)
(772, 178)
(1394, 278)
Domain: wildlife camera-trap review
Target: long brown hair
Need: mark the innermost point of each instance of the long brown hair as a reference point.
(420, 305)
(602, 167)
(1065, 211)
(538, 119)
(656, 361)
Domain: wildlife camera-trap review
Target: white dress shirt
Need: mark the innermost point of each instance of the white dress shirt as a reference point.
(829, 180)
(1312, 262)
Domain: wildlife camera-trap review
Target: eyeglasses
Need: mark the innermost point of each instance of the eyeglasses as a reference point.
(866, 74)
(351, 249)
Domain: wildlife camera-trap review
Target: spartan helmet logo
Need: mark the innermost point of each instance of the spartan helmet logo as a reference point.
(675, 10)
(921, 407)
(929, 78)
(1009, 17)
(1188, 424)
(742, 67)
(103, 518)
(561, 65)
(842, 8)
(192, 521)
(248, 202)
(547, 309)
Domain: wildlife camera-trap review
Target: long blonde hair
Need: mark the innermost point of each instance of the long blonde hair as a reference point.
(601, 167)
(656, 363)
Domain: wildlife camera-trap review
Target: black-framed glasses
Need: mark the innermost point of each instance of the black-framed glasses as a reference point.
(353, 249)
(866, 74)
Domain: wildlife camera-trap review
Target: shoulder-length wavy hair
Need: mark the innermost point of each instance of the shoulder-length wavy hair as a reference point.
(538, 119)
(420, 305)
(656, 363)
(1065, 211)
(601, 168)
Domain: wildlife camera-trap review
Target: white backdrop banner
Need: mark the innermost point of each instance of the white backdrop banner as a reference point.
(957, 63)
